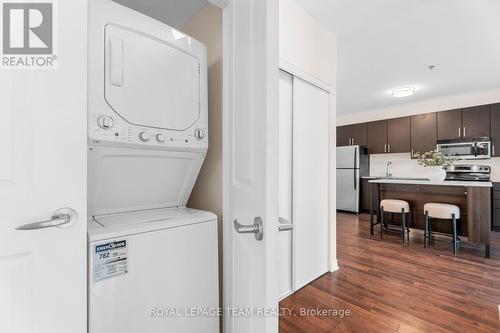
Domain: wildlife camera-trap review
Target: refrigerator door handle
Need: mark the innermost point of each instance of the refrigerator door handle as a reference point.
(355, 157)
(355, 180)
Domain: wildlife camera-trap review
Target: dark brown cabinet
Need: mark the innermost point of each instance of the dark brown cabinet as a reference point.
(360, 134)
(496, 207)
(449, 125)
(420, 133)
(377, 137)
(398, 135)
(475, 122)
(344, 136)
(468, 123)
(350, 135)
(495, 129)
(423, 133)
(366, 195)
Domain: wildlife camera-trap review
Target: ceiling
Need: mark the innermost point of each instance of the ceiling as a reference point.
(175, 13)
(385, 44)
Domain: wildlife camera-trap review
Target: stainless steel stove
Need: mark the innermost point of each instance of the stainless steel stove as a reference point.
(468, 172)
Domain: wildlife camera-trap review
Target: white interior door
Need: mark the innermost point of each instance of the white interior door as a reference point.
(310, 181)
(251, 164)
(42, 169)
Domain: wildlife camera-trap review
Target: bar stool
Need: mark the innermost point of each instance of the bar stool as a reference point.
(398, 207)
(443, 212)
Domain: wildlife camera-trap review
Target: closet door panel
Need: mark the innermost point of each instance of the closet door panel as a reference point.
(285, 181)
(310, 181)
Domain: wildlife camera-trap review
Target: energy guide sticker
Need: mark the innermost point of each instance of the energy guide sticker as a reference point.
(110, 260)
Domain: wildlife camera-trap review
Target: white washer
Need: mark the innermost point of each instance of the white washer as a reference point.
(160, 272)
(153, 263)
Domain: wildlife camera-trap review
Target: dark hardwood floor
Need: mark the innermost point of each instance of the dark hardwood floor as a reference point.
(390, 287)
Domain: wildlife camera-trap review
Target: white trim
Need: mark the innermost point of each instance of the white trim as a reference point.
(295, 71)
(220, 3)
(334, 266)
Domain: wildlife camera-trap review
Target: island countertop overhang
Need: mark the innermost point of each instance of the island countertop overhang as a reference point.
(427, 182)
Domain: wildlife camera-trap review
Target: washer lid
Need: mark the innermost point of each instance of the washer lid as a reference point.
(126, 180)
(149, 216)
(150, 82)
(125, 224)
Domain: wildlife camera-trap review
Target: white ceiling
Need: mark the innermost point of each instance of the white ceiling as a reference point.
(175, 13)
(384, 44)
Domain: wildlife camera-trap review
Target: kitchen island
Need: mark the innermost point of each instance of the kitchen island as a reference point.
(473, 198)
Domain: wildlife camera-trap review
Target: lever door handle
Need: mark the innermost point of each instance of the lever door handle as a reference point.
(257, 228)
(62, 218)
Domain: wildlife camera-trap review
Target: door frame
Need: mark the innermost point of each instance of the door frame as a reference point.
(295, 71)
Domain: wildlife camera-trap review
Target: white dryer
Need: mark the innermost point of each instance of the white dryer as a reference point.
(148, 137)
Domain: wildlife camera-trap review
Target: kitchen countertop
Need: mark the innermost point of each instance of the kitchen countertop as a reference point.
(427, 182)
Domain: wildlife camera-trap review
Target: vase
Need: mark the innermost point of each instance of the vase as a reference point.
(436, 173)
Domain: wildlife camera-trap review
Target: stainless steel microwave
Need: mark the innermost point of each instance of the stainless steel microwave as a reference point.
(466, 150)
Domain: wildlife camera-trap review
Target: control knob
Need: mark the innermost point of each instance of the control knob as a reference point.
(199, 134)
(144, 137)
(160, 138)
(105, 122)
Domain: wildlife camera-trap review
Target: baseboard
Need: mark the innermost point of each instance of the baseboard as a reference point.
(334, 266)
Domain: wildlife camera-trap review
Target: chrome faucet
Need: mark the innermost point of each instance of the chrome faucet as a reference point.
(388, 173)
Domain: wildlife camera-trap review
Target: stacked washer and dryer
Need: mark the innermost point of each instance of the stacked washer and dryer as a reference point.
(153, 263)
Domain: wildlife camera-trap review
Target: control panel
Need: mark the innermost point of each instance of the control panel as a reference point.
(103, 127)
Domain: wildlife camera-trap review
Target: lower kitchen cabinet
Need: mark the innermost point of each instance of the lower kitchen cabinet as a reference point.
(496, 207)
(366, 196)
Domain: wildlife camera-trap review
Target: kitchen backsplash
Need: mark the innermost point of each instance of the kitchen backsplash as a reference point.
(404, 166)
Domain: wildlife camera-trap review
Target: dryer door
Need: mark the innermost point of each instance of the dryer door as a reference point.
(149, 82)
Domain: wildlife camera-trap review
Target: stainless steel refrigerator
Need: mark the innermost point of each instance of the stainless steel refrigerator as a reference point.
(352, 163)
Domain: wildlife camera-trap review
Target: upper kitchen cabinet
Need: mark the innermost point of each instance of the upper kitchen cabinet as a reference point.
(360, 134)
(344, 135)
(398, 135)
(476, 122)
(423, 133)
(468, 123)
(377, 137)
(495, 128)
(449, 125)
(350, 135)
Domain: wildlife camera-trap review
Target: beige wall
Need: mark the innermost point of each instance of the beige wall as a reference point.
(207, 193)
(312, 49)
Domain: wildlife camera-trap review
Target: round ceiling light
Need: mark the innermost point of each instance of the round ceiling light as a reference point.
(403, 91)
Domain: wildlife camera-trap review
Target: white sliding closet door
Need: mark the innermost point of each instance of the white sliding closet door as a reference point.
(285, 181)
(310, 181)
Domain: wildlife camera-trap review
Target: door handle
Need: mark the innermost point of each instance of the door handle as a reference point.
(116, 61)
(257, 228)
(62, 218)
(284, 224)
